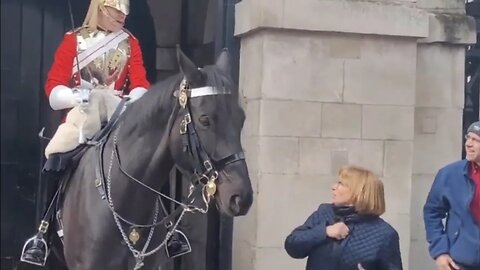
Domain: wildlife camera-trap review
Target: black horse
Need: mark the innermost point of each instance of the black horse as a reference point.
(192, 121)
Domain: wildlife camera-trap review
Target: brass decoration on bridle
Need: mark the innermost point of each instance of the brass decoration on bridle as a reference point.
(134, 236)
(184, 123)
(182, 94)
(211, 187)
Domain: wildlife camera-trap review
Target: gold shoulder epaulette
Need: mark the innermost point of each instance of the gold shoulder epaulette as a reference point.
(77, 30)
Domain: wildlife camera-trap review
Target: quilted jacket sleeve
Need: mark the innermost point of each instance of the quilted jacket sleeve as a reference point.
(434, 210)
(300, 242)
(391, 253)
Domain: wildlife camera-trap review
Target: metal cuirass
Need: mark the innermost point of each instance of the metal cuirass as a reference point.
(103, 71)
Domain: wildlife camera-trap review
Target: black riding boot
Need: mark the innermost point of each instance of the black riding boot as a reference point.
(35, 251)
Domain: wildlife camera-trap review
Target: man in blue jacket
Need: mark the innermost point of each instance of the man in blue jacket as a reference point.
(455, 195)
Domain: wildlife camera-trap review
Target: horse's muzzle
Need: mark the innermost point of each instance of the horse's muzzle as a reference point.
(239, 205)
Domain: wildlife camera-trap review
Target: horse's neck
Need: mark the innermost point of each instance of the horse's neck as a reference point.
(144, 134)
(145, 155)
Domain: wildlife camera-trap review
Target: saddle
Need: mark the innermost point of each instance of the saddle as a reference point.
(60, 162)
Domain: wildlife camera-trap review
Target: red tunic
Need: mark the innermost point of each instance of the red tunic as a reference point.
(475, 204)
(61, 71)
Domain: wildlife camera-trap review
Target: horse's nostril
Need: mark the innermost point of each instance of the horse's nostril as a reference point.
(237, 199)
(239, 205)
(235, 204)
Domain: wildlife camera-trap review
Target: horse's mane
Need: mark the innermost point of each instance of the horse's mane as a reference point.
(159, 99)
(219, 78)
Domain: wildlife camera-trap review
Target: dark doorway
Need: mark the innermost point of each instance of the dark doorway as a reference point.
(472, 73)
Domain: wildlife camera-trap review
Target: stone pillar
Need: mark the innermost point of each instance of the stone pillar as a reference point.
(335, 82)
(438, 108)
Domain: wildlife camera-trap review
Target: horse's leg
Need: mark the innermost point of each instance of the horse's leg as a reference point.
(75, 221)
(56, 259)
(55, 263)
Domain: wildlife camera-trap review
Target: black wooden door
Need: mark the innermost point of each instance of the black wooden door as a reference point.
(31, 30)
(21, 72)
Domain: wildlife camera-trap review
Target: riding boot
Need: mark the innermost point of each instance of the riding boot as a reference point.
(35, 251)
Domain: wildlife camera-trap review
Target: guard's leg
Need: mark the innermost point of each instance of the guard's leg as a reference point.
(35, 250)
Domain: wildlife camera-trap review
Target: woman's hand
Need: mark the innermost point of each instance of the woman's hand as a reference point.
(360, 267)
(338, 231)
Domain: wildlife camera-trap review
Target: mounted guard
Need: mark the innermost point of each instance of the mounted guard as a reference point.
(112, 215)
(95, 66)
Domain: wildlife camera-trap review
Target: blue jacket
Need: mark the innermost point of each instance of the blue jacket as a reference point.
(373, 243)
(450, 197)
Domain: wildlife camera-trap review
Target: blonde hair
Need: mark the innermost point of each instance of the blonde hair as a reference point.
(91, 19)
(367, 190)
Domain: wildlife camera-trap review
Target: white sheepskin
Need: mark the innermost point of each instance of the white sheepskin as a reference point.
(101, 107)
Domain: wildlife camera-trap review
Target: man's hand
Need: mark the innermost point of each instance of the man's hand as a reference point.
(445, 262)
(338, 231)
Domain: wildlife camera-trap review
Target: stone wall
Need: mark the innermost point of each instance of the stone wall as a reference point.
(328, 83)
(439, 109)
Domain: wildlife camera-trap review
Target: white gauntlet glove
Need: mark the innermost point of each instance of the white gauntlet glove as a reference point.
(136, 93)
(63, 97)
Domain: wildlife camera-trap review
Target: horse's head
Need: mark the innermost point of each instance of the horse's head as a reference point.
(210, 121)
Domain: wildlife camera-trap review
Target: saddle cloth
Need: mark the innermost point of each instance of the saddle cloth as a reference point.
(100, 109)
(59, 162)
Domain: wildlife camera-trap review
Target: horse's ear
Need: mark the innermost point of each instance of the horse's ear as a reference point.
(223, 61)
(187, 67)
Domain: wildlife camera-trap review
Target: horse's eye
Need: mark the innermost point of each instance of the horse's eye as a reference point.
(204, 120)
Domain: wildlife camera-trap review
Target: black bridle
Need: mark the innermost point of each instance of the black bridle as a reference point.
(204, 167)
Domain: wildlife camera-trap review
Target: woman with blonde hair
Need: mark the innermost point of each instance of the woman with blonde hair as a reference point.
(348, 234)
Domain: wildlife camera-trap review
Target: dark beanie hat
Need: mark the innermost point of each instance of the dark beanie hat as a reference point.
(474, 128)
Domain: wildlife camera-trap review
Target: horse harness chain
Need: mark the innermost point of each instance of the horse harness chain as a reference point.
(205, 170)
